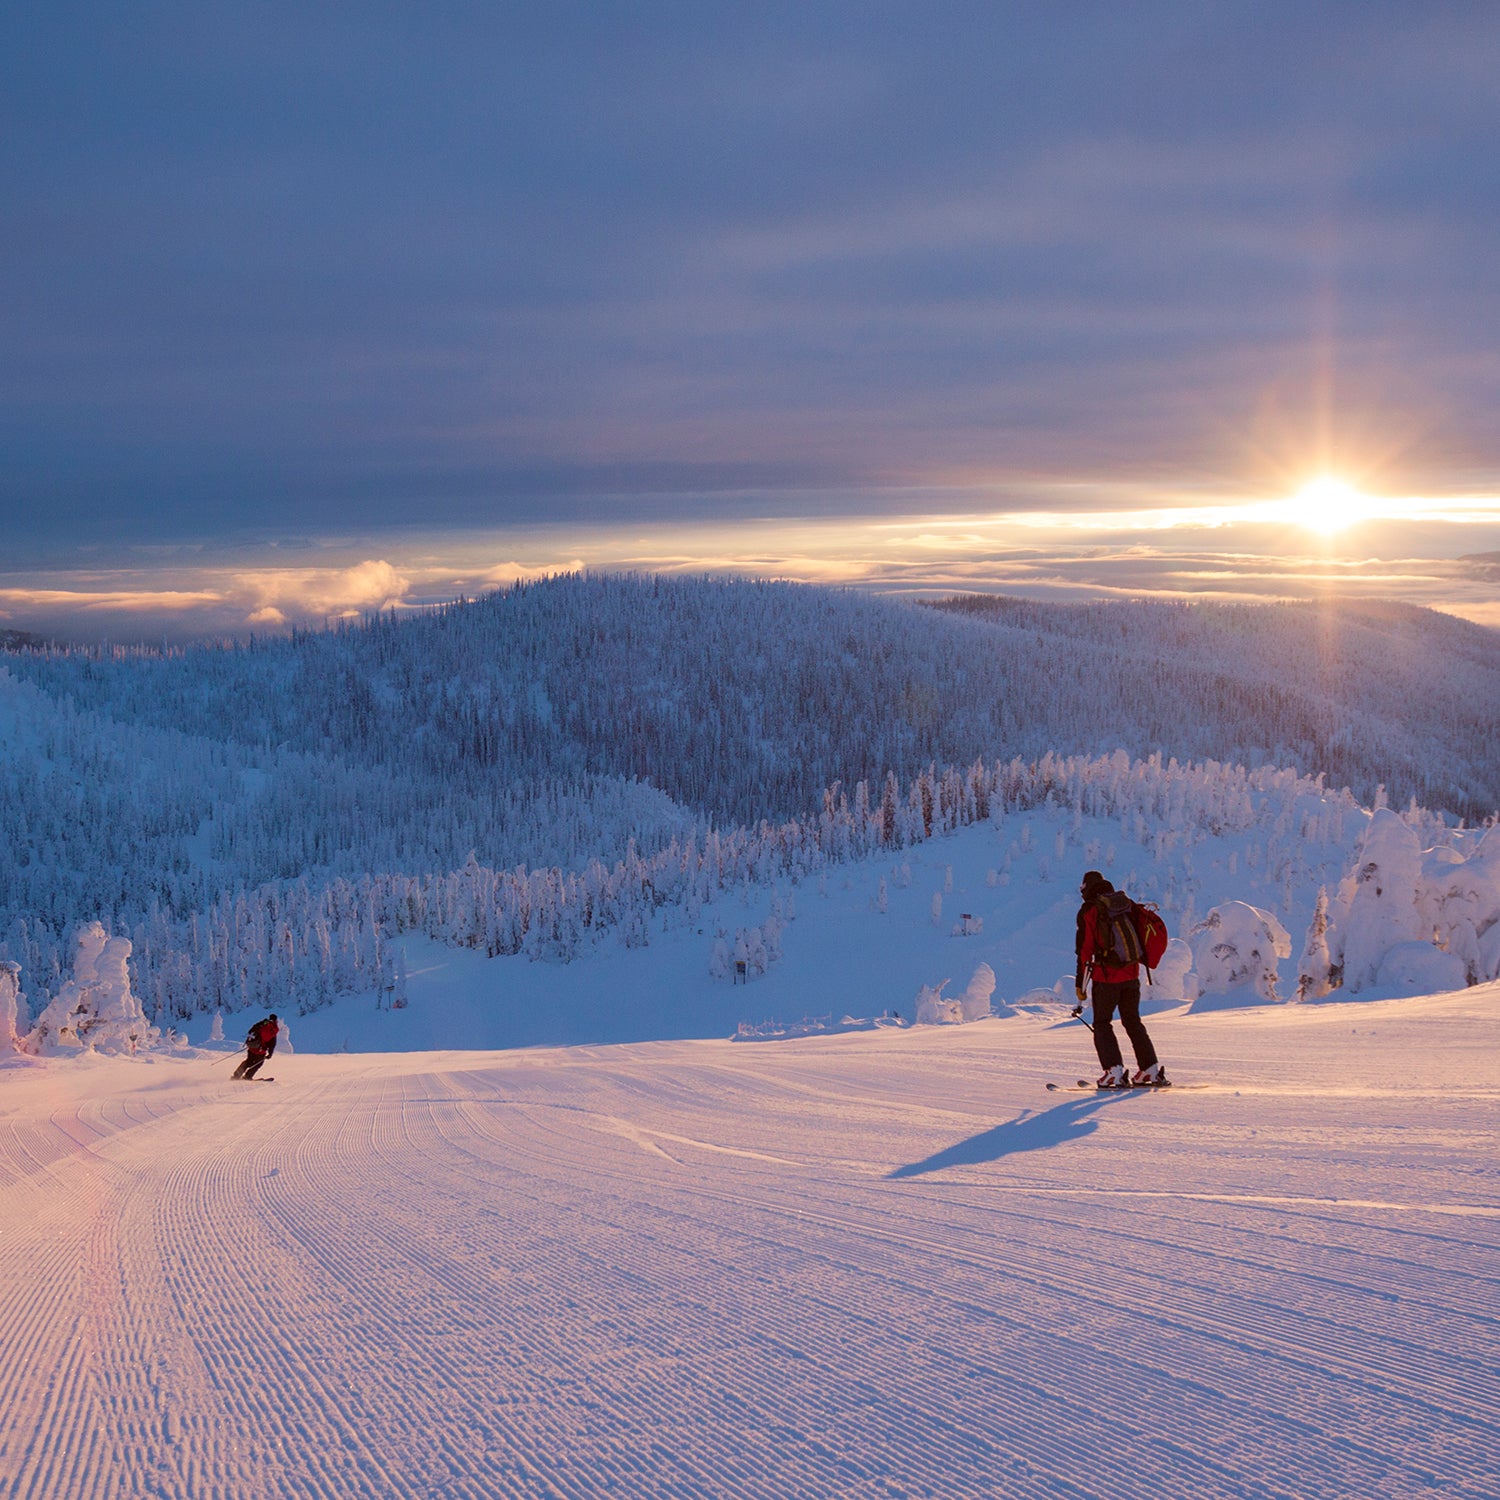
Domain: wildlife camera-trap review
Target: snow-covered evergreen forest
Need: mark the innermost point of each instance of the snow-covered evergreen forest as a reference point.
(1366, 692)
(599, 756)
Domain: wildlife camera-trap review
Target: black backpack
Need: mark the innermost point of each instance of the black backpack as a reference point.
(1117, 938)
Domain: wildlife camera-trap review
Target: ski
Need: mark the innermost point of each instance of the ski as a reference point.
(1083, 1086)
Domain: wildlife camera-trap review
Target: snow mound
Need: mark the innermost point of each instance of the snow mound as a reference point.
(778, 1031)
(1170, 978)
(935, 1009)
(1419, 969)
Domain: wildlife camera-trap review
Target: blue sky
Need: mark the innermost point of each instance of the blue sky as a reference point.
(302, 289)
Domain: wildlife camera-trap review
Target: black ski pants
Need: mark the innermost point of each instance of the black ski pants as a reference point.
(1126, 998)
(251, 1064)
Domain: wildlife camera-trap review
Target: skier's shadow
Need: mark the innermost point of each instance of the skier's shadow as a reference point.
(1036, 1130)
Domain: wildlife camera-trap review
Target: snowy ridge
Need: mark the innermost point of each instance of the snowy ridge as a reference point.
(744, 699)
(979, 919)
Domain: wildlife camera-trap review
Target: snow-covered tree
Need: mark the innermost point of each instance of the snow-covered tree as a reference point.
(1376, 906)
(771, 931)
(1315, 976)
(96, 1008)
(1460, 899)
(12, 1017)
(1235, 952)
(1398, 900)
(976, 998)
(933, 1009)
(720, 964)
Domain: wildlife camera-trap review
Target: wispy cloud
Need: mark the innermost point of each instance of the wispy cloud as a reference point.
(200, 601)
(44, 603)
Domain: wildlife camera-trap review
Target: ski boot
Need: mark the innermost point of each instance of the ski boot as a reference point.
(1112, 1078)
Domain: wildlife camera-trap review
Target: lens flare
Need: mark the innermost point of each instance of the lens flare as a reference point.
(1328, 505)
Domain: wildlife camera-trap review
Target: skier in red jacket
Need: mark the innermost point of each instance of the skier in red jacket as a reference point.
(260, 1043)
(1115, 986)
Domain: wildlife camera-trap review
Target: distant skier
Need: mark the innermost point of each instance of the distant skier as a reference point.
(1116, 983)
(260, 1043)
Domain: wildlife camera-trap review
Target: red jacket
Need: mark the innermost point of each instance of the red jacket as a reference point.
(1088, 925)
(262, 1037)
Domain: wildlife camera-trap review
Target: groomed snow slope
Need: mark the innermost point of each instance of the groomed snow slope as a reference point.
(873, 1265)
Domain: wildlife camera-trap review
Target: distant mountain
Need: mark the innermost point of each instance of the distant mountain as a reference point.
(744, 700)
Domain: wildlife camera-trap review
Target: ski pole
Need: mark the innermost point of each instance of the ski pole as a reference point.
(1078, 1010)
(215, 1063)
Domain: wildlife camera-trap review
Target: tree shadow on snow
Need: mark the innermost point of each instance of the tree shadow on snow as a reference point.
(1036, 1130)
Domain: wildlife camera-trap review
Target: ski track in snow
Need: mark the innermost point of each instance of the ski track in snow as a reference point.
(879, 1265)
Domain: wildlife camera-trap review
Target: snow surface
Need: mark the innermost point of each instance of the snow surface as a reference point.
(888, 1263)
(880, 1262)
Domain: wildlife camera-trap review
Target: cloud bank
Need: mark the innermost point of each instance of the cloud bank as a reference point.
(919, 557)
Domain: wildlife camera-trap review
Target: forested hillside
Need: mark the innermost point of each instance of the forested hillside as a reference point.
(1365, 692)
(743, 700)
(525, 770)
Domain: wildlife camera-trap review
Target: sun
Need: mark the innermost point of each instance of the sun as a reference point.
(1327, 505)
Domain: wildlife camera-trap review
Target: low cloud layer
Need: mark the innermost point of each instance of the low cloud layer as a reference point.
(275, 596)
(133, 604)
(189, 597)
